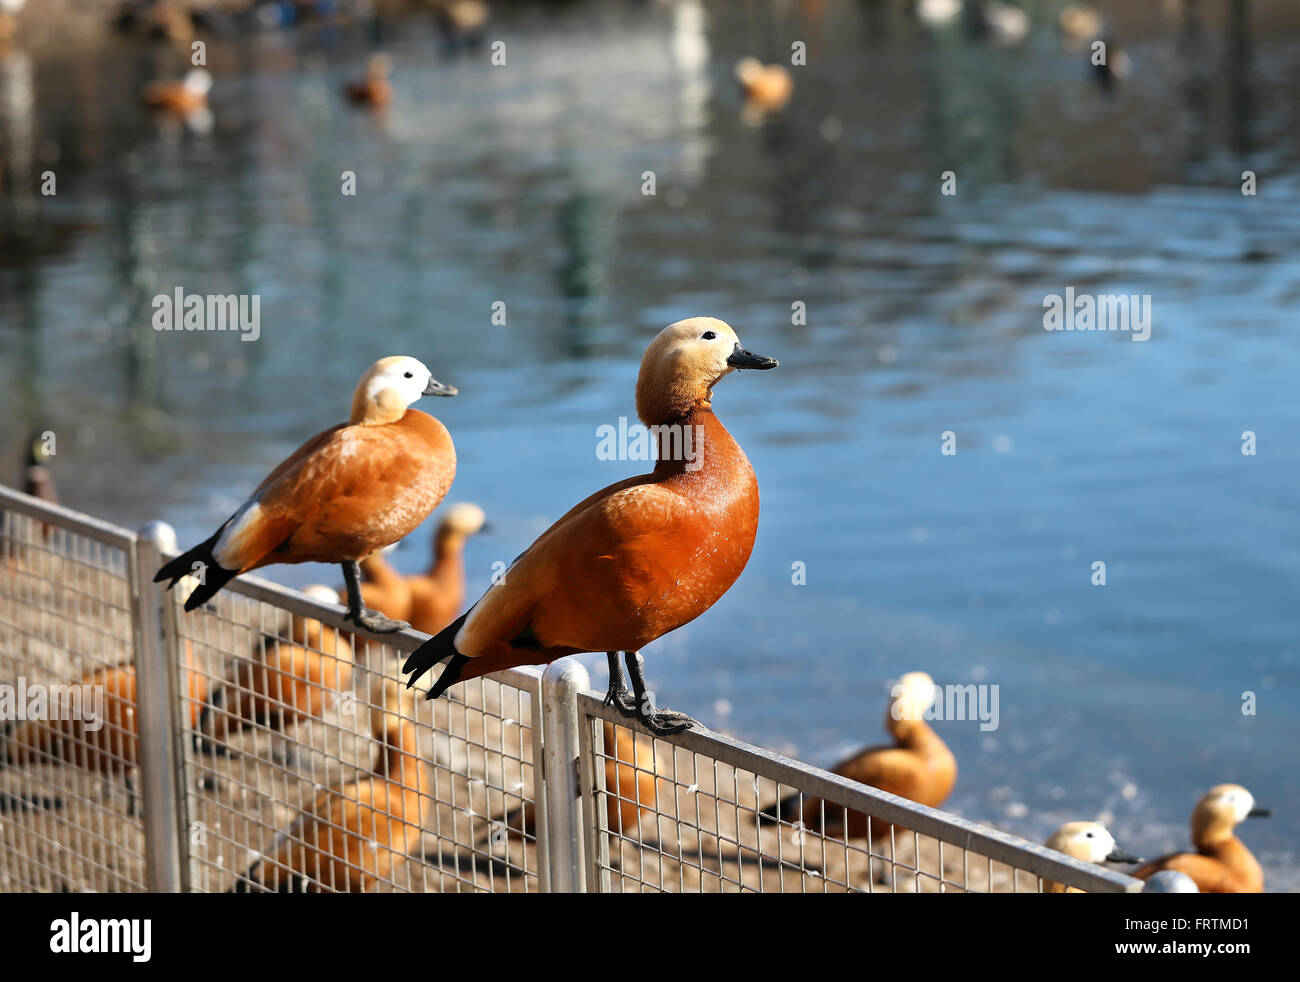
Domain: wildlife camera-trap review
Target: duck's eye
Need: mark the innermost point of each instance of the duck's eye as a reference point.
(409, 375)
(708, 335)
(1089, 834)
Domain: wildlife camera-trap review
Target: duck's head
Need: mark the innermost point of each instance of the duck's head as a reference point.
(1221, 810)
(379, 66)
(748, 70)
(910, 697)
(463, 519)
(683, 364)
(198, 81)
(37, 455)
(389, 386)
(1090, 842)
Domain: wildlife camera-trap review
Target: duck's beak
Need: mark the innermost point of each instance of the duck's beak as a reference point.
(436, 388)
(1118, 855)
(740, 358)
(1259, 813)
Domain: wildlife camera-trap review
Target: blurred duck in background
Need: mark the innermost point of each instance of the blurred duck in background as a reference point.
(462, 23)
(287, 682)
(1088, 841)
(1221, 862)
(918, 766)
(767, 88)
(186, 99)
(373, 89)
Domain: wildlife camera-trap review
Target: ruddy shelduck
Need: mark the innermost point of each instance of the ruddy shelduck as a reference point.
(352, 834)
(767, 87)
(290, 680)
(346, 492)
(1221, 862)
(918, 766)
(1089, 841)
(430, 601)
(373, 89)
(190, 95)
(637, 559)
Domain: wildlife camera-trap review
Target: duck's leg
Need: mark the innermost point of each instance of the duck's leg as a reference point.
(358, 614)
(658, 721)
(619, 696)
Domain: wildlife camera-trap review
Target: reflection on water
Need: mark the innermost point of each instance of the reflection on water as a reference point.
(523, 185)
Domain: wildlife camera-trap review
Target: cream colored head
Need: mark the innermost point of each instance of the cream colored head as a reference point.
(748, 70)
(389, 386)
(910, 697)
(684, 362)
(379, 66)
(198, 81)
(1222, 809)
(463, 519)
(1088, 841)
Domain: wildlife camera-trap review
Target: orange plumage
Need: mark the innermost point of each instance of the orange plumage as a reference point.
(1221, 862)
(342, 495)
(373, 89)
(352, 834)
(637, 559)
(918, 766)
(183, 98)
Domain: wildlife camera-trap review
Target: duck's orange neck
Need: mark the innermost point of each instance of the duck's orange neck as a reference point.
(448, 556)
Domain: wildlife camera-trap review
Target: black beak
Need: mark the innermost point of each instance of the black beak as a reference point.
(486, 527)
(436, 388)
(740, 358)
(1118, 855)
(1259, 813)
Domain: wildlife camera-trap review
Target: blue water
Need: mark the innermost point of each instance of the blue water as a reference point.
(523, 184)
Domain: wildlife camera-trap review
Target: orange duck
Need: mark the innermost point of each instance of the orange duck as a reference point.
(342, 495)
(352, 834)
(767, 87)
(1221, 863)
(430, 601)
(107, 744)
(918, 766)
(290, 681)
(373, 89)
(183, 98)
(636, 560)
(1089, 841)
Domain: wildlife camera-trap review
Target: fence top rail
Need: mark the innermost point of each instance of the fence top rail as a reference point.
(74, 521)
(527, 677)
(794, 774)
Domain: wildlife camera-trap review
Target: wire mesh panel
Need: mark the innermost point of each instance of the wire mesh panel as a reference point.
(313, 768)
(69, 811)
(699, 812)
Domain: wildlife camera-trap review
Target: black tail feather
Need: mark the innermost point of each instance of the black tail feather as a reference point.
(438, 648)
(214, 575)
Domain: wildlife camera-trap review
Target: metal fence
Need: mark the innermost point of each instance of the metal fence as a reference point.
(260, 744)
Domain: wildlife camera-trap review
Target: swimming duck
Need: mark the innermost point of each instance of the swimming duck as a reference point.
(767, 87)
(1221, 863)
(918, 766)
(462, 23)
(181, 99)
(1088, 841)
(637, 559)
(351, 836)
(346, 492)
(373, 89)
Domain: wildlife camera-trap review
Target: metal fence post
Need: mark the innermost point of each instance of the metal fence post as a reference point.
(157, 722)
(565, 838)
